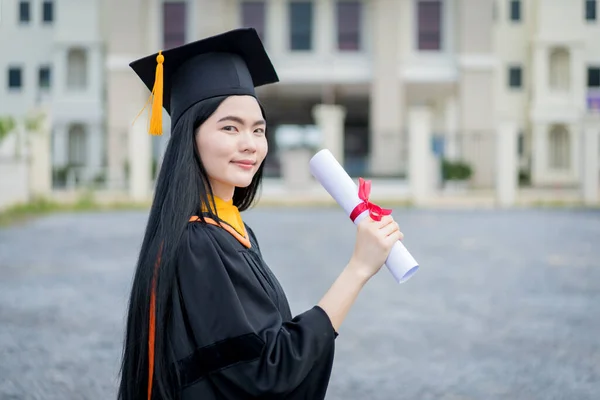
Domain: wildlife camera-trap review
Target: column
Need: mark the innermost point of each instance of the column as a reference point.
(277, 34)
(578, 84)
(59, 71)
(61, 145)
(140, 160)
(451, 126)
(576, 136)
(95, 65)
(330, 120)
(95, 150)
(386, 103)
(507, 163)
(421, 158)
(40, 171)
(540, 73)
(476, 89)
(591, 164)
(540, 152)
(325, 28)
(154, 26)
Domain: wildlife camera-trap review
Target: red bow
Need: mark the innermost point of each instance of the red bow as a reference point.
(376, 212)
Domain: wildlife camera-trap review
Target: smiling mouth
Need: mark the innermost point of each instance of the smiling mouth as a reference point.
(244, 164)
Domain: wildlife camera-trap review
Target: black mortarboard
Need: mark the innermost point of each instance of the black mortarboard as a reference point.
(231, 63)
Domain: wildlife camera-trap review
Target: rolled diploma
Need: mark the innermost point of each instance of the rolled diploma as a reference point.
(334, 179)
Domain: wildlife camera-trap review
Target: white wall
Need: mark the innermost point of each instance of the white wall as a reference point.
(75, 24)
(512, 47)
(13, 182)
(28, 46)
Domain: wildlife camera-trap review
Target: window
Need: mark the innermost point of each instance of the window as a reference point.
(15, 78)
(301, 21)
(515, 10)
(559, 157)
(44, 78)
(515, 77)
(348, 25)
(253, 16)
(590, 10)
(593, 77)
(429, 20)
(24, 11)
(173, 24)
(560, 71)
(77, 69)
(77, 145)
(48, 11)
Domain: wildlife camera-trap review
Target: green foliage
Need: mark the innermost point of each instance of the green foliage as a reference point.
(524, 178)
(456, 170)
(33, 122)
(40, 206)
(7, 124)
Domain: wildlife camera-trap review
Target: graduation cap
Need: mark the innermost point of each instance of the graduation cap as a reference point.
(231, 63)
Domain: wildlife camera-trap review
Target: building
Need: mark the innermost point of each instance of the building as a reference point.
(52, 57)
(550, 79)
(359, 61)
(362, 64)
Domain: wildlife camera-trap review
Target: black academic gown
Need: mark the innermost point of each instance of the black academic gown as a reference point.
(233, 332)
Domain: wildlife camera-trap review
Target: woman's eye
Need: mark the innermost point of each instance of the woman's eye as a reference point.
(229, 128)
(260, 131)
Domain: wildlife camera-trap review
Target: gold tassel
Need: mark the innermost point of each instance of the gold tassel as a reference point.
(157, 101)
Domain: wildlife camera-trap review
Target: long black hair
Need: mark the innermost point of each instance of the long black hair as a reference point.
(181, 190)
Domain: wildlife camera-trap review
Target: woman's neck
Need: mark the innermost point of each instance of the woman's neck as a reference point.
(222, 191)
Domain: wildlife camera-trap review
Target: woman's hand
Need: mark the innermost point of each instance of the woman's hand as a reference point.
(374, 241)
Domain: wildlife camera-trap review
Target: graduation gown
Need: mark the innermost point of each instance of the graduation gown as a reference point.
(232, 329)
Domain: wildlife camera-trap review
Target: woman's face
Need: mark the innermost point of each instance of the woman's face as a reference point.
(232, 144)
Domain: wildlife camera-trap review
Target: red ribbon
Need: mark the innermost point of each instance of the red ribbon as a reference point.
(376, 212)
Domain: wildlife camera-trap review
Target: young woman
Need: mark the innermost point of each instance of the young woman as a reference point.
(207, 319)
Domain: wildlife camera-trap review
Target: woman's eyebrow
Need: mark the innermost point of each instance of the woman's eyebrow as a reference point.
(240, 120)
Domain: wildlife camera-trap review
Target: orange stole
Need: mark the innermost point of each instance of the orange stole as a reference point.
(243, 239)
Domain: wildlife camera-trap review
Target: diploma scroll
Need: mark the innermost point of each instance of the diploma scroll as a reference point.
(334, 179)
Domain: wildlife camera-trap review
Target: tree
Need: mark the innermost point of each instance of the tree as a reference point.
(32, 123)
(7, 124)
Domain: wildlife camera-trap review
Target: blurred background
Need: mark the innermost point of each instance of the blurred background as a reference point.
(489, 98)
(456, 108)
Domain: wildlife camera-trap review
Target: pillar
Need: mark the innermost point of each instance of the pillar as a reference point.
(451, 126)
(591, 165)
(323, 38)
(40, 168)
(387, 91)
(540, 153)
(540, 73)
(277, 37)
(60, 145)
(478, 62)
(154, 27)
(95, 63)
(421, 159)
(330, 120)
(95, 150)
(507, 165)
(140, 160)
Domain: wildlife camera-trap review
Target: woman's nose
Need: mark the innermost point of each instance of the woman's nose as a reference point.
(248, 142)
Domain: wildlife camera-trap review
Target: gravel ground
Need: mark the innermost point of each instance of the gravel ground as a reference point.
(506, 304)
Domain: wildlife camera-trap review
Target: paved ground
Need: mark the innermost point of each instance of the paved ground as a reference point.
(505, 306)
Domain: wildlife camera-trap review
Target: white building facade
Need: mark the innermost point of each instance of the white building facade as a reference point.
(365, 73)
(550, 80)
(53, 59)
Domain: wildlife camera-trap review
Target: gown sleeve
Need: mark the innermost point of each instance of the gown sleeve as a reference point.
(239, 336)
